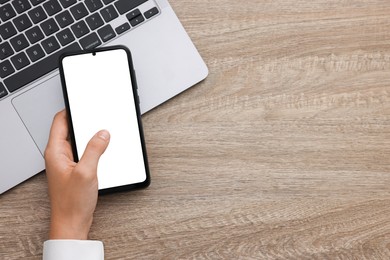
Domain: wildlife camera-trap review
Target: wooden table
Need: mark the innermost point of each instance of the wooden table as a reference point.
(283, 152)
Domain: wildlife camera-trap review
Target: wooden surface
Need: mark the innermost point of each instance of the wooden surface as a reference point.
(283, 151)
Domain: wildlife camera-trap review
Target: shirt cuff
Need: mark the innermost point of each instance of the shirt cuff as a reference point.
(73, 250)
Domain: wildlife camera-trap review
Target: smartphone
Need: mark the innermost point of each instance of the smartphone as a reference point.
(100, 92)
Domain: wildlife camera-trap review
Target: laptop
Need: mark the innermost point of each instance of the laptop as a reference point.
(34, 33)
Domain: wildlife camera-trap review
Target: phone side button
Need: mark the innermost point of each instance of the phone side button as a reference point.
(135, 76)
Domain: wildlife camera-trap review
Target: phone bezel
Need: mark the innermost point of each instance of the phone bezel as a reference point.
(125, 187)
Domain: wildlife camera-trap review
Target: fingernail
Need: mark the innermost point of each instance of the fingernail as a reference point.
(104, 134)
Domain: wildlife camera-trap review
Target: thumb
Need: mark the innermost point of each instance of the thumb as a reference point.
(95, 148)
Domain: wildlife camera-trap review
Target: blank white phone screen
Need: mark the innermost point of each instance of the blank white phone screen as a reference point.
(100, 97)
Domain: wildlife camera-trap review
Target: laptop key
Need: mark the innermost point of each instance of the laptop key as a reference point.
(20, 60)
(35, 52)
(7, 30)
(52, 7)
(65, 37)
(93, 5)
(80, 29)
(79, 11)
(133, 14)
(3, 91)
(5, 50)
(49, 27)
(36, 2)
(19, 42)
(106, 2)
(6, 69)
(67, 3)
(4, 1)
(152, 12)
(123, 6)
(64, 19)
(34, 34)
(90, 41)
(109, 13)
(37, 14)
(94, 21)
(21, 5)
(50, 45)
(122, 28)
(137, 20)
(6, 12)
(22, 22)
(106, 33)
(36, 70)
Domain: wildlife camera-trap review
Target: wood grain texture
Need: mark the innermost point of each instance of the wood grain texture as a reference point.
(283, 152)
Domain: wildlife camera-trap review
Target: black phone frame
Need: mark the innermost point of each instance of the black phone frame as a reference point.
(126, 187)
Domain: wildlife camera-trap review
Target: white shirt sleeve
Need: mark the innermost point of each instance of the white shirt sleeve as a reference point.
(73, 250)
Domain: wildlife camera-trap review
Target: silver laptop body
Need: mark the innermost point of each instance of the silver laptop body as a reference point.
(165, 60)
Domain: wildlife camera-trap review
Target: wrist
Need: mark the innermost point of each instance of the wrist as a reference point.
(63, 229)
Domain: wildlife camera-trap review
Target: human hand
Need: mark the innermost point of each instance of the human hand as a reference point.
(73, 187)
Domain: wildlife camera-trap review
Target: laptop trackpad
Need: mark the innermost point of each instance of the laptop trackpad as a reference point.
(37, 108)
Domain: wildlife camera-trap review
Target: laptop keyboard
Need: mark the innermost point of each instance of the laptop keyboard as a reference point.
(34, 33)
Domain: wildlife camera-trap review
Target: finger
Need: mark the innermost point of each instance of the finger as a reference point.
(59, 129)
(95, 148)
